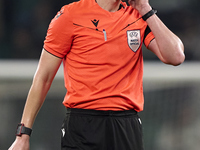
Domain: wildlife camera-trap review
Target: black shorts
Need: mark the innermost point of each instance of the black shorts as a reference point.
(101, 130)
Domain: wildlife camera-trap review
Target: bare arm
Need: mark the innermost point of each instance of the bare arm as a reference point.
(46, 71)
(47, 68)
(166, 45)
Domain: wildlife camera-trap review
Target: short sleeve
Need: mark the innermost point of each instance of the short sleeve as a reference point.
(60, 34)
(148, 36)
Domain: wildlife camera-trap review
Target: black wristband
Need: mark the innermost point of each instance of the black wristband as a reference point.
(21, 129)
(149, 14)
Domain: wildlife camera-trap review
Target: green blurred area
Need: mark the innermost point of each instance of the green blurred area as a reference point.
(170, 118)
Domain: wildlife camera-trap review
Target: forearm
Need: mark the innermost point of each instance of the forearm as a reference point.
(34, 101)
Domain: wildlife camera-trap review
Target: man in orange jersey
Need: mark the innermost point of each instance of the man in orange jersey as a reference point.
(99, 43)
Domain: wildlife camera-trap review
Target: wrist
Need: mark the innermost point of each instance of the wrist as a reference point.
(149, 14)
(23, 136)
(21, 129)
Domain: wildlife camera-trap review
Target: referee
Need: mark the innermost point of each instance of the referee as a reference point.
(99, 43)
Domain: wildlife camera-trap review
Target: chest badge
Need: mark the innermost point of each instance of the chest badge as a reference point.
(134, 39)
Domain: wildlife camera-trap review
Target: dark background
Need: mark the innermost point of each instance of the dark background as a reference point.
(24, 23)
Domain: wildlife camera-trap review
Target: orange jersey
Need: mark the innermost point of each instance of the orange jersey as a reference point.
(102, 55)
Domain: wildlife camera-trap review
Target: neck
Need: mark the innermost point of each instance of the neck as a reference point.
(109, 5)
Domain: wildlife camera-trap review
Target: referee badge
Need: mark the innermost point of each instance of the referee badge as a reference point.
(134, 39)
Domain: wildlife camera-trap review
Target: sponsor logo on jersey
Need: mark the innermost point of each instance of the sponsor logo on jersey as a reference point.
(95, 22)
(63, 132)
(134, 39)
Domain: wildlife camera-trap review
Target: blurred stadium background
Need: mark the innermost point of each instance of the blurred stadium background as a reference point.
(171, 118)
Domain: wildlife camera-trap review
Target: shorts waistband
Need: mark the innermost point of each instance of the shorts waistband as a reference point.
(101, 112)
